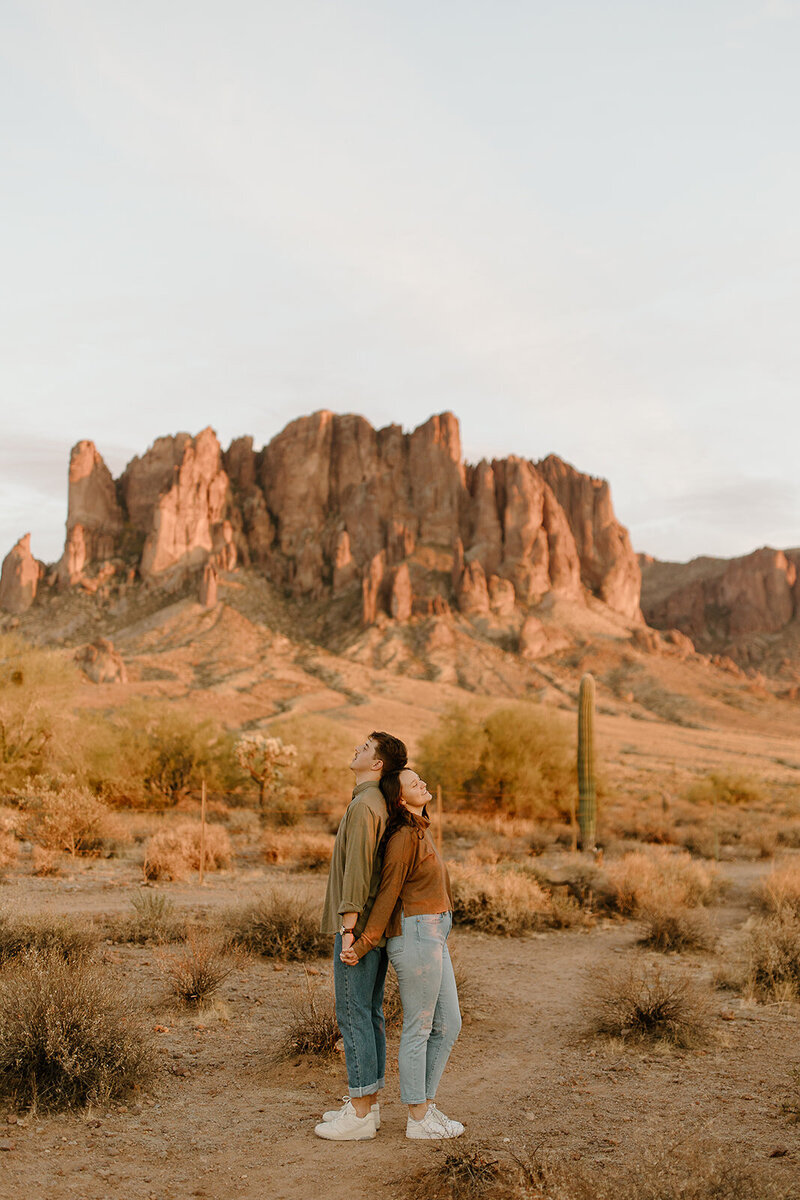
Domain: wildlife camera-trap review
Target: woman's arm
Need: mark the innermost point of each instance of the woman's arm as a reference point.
(396, 866)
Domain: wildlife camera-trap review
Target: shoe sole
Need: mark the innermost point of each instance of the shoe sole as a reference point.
(355, 1137)
(432, 1137)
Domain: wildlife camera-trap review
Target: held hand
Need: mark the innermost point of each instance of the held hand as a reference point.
(347, 956)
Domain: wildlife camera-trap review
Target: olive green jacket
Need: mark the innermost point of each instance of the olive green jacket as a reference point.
(355, 873)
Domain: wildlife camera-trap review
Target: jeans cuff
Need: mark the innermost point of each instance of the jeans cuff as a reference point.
(364, 1091)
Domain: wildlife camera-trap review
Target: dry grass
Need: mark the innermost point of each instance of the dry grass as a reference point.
(174, 852)
(45, 933)
(676, 928)
(467, 1172)
(68, 1037)
(277, 925)
(305, 851)
(312, 1027)
(772, 956)
(503, 900)
(154, 920)
(657, 877)
(197, 970)
(780, 889)
(694, 1170)
(638, 1003)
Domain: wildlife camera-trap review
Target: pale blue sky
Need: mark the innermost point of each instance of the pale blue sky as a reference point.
(575, 224)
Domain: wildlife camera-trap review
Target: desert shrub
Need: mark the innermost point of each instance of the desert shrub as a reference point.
(788, 834)
(197, 970)
(45, 862)
(277, 925)
(154, 919)
(154, 753)
(174, 852)
(308, 851)
(519, 759)
(35, 688)
(685, 1170)
(9, 849)
(780, 889)
(637, 1003)
(68, 817)
(466, 1172)
(657, 877)
(772, 955)
(676, 927)
(44, 932)
(312, 1028)
(721, 788)
(68, 1036)
(504, 900)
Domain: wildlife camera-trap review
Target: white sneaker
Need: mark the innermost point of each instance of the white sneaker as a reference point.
(347, 1108)
(434, 1125)
(347, 1127)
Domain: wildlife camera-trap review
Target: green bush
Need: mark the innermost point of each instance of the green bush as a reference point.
(520, 760)
(154, 753)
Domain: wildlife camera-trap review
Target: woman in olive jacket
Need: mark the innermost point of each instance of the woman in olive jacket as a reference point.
(414, 909)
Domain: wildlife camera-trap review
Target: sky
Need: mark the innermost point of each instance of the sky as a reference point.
(574, 223)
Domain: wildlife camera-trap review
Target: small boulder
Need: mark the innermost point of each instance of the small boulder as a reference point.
(101, 663)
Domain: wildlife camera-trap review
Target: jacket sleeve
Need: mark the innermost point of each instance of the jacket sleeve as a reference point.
(397, 863)
(363, 834)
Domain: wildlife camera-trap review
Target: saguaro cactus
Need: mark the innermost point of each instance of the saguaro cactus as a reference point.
(587, 780)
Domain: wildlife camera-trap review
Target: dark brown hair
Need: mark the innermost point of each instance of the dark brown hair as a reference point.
(399, 815)
(390, 750)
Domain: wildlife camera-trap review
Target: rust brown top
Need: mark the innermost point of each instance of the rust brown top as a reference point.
(414, 880)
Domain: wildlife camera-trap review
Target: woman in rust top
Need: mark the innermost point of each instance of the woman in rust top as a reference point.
(414, 909)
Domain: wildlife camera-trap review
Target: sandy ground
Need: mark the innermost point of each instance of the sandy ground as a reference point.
(224, 1118)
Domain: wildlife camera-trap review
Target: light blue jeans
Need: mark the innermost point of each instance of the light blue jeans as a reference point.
(431, 1016)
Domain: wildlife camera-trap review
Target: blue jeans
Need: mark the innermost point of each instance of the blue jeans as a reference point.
(431, 1016)
(359, 1013)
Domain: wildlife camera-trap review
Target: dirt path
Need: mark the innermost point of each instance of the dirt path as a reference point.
(224, 1120)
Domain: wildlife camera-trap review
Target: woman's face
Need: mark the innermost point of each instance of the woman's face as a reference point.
(413, 791)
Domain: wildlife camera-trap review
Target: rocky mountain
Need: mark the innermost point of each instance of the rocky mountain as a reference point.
(395, 523)
(746, 608)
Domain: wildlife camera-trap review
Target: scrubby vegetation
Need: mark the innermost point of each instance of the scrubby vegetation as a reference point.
(68, 1037)
(505, 900)
(196, 971)
(519, 760)
(312, 1028)
(720, 788)
(301, 849)
(154, 919)
(772, 957)
(657, 877)
(175, 851)
(277, 925)
(62, 936)
(636, 1003)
